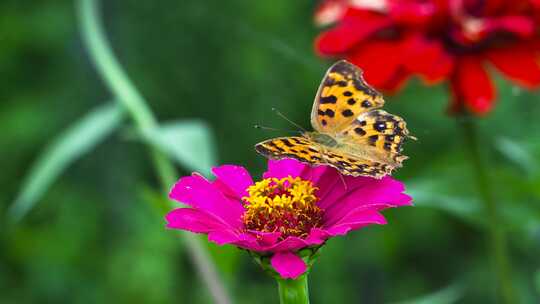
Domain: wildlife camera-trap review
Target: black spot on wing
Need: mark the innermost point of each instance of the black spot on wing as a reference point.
(360, 131)
(328, 99)
(379, 126)
(366, 104)
(347, 113)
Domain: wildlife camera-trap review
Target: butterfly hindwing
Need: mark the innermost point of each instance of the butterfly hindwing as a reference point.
(349, 164)
(342, 96)
(381, 133)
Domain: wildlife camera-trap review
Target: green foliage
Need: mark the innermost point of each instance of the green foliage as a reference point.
(190, 143)
(448, 295)
(72, 144)
(206, 65)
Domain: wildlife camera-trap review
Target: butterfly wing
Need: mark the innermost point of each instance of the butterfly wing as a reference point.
(376, 135)
(342, 96)
(307, 151)
(351, 164)
(297, 147)
(369, 141)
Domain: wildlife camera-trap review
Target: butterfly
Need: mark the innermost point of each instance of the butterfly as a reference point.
(351, 133)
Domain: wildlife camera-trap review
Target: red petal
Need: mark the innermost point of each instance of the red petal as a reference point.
(412, 13)
(519, 25)
(381, 62)
(427, 58)
(349, 32)
(472, 86)
(519, 63)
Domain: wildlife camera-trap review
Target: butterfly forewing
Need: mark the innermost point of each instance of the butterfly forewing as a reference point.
(300, 148)
(342, 96)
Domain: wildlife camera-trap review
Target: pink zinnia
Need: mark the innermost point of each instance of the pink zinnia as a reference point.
(295, 206)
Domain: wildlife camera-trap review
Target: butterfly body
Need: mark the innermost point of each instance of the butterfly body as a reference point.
(350, 133)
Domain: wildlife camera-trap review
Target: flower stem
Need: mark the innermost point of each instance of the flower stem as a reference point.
(497, 237)
(293, 291)
(129, 97)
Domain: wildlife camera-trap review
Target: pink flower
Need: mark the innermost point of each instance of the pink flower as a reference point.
(295, 206)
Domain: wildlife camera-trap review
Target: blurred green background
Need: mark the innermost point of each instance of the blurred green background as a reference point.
(95, 236)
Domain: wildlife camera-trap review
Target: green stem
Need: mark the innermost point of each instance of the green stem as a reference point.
(497, 237)
(129, 97)
(293, 291)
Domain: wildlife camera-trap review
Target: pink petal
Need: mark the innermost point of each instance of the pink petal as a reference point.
(265, 239)
(283, 168)
(223, 237)
(247, 241)
(233, 180)
(317, 236)
(369, 194)
(356, 220)
(329, 185)
(338, 188)
(199, 221)
(288, 265)
(194, 220)
(197, 192)
(291, 243)
(314, 173)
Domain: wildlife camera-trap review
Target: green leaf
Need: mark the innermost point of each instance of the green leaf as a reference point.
(516, 153)
(448, 295)
(189, 142)
(73, 143)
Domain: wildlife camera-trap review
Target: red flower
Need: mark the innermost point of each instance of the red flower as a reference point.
(438, 40)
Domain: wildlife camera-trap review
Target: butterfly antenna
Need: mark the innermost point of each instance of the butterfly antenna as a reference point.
(273, 129)
(290, 121)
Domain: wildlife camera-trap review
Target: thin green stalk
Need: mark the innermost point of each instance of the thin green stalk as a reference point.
(497, 237)
(293, 291)
(129, 97)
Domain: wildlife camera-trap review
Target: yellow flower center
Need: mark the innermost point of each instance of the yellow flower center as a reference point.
(286, 205)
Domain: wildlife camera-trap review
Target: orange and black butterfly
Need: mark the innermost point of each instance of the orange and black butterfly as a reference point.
(351, 133)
